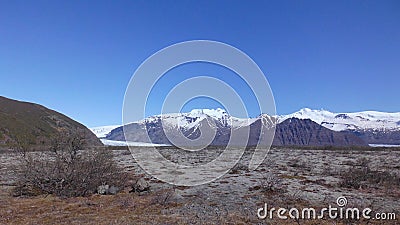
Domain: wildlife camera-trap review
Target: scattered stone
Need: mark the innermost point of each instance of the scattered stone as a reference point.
(102, 189)
(113, 190)
(177, 197)
(107, 190)
(141, 185)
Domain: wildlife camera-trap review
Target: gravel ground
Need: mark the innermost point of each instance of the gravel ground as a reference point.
(286, 178)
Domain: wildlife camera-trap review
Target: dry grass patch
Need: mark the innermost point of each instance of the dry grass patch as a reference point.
(122, 208)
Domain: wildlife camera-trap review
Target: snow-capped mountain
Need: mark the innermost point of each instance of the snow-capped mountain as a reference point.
(370, 126)
(191, 125)
(193, 119)
(375, 128)
(368, 120)
(157, 129)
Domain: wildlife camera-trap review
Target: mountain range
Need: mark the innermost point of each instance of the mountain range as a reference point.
(371, 126)
(304, 128)
(34, 126)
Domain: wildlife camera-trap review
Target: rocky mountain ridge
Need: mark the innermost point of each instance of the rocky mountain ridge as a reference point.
(371, 126)
(259, 130)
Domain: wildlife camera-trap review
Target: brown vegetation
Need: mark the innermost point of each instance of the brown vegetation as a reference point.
(360, 175)
(66, 170)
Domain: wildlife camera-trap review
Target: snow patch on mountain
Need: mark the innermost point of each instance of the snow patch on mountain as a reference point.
(193, 118)
(379, 121)
(101, 132)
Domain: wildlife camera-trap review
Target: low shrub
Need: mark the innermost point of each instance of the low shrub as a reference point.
(66, 170)
(360, 175)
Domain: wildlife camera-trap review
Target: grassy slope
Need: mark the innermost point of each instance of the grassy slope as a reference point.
(32, 124)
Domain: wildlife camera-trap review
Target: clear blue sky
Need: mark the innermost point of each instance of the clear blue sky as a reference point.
(77, 57)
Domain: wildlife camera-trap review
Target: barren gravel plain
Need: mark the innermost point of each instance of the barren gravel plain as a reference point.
(288, 178)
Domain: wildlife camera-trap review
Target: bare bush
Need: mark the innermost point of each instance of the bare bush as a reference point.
(329, 171)
(238, 168)
(360, 175)
(165, 197)
(66, 170)
(270, 183)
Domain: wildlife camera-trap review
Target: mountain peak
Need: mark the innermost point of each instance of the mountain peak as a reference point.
(215, 113)
(305, 110)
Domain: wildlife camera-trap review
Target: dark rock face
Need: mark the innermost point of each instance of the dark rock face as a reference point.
(36, 127)
(342, 116)
(291, 132)
(379, 137)
(153, 132)
(305, 132)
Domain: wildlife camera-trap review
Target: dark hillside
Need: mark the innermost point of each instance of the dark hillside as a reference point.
(34, 126)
